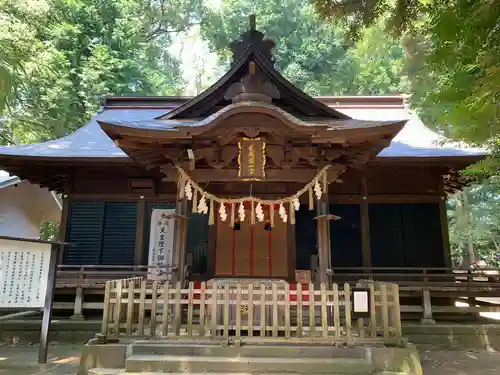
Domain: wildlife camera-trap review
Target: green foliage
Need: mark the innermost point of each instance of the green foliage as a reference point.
(477, 223)
(310, 53)
(74, 51)
(453, 50)
(49, 230)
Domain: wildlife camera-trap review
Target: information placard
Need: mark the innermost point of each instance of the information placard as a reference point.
(24, 270)
(161, 243)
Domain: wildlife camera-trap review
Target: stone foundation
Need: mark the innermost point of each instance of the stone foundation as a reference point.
(213, 356)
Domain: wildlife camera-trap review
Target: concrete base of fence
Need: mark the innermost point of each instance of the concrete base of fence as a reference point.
(207, 356)
(112, 356)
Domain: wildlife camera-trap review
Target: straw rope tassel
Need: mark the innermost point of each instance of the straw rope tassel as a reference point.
(211, 220)
(320, 179)
(180, 186)
(271, 214)
(194, 208)
(311, 199)
(292, 213)
(232, 215)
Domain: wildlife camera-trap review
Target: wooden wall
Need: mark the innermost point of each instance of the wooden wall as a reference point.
(366, 200)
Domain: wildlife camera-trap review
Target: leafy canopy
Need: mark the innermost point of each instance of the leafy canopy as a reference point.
(62, 55)
(312, 54)
(453, 49)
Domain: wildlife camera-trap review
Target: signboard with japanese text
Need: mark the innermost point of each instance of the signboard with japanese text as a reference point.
(161, 244)
(24, 270)
(252, 159)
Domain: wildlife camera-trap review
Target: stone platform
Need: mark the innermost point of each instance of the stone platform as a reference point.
(214, 356)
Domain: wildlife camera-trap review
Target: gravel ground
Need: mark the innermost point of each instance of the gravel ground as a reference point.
(459, 362)
(63, 360)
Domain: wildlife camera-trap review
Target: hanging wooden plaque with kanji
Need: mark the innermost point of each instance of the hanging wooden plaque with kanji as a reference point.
(252, 158)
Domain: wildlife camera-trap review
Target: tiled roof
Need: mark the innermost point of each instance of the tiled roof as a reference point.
(415, 140)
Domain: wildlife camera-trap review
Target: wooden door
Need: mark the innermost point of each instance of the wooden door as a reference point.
(252, 251)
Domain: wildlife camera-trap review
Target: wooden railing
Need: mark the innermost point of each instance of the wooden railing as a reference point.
(271, 310)
(422, 289)
(411, 276)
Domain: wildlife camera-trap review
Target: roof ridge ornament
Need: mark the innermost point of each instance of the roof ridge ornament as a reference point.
(253, 37)
(252, 87)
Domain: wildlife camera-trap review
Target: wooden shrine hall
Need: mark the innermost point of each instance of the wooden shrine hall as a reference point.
(252, 178)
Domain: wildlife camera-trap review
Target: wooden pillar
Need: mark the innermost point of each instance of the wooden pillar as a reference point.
(63, 225)
(180, 233)
(427, 305)
(183, 221)
(139, 231)
(211, 251)
(323, 236)
(365, 224)
(78, 307)
(445, 231)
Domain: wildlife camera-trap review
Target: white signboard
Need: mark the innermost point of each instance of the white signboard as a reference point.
(361, 301)
(161, 243)
(24, 270)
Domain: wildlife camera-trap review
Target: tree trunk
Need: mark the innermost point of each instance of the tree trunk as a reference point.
(463, 224)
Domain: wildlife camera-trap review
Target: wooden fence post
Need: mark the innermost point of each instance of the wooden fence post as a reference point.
(336, 311)
(130, 307)
(178, 308)
(238, 310)
(373, 312)
(166, 308)
(312, 311)
(287, 310)
(250, 310)
(142, 307)
(385, 310)
(202, 322)
(214, 309)
(299, 309)
(347, 310)
(262, 310)
(118, 307)
(105, 312)
(324, 314)
(396, 311)
(154, 301)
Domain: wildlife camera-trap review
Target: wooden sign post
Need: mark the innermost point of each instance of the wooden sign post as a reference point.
(28, 269)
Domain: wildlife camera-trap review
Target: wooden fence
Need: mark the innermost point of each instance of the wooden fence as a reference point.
(269, 309)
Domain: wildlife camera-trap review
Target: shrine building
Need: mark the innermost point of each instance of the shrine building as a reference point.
(252, 178)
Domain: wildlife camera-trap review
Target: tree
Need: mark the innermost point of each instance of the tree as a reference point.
(90, 48)
(312, 54)
(474, 216)
(457, 48)
(17, 44)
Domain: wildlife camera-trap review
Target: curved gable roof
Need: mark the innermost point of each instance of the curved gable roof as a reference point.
(90, 141)
(290, 96)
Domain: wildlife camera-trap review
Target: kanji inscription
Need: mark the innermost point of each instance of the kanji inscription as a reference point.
(24, 270)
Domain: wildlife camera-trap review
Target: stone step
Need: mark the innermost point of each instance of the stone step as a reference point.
(252, 365)
(247, 350)
(106, 371)
(103, 371)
